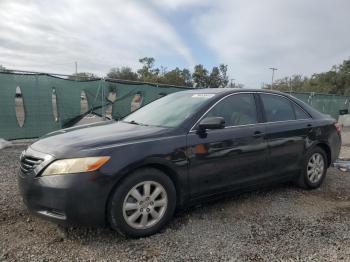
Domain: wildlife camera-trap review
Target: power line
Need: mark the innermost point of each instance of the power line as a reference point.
(34, 72)
(116, 80)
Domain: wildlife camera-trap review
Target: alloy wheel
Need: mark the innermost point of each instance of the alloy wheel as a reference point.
(315, 168)
(145, 205)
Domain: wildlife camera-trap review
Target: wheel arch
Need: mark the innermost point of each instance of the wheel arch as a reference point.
(172, 174)
(327, 150)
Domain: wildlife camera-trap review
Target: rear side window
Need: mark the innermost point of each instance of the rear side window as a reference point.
(277, 108)
(300, 113)
(236, 109)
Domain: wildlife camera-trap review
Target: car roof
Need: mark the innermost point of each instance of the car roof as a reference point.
(228, 90)
(224, 91)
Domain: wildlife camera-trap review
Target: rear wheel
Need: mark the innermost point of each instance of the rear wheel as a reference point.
(314, 169)
(143, 203)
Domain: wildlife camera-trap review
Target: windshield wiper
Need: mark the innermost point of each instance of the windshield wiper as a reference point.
(135, 123)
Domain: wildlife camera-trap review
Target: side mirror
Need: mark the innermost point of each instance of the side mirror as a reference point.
(211, 123)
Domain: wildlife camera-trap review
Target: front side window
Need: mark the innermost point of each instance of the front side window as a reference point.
(277, 108)
(236, 109)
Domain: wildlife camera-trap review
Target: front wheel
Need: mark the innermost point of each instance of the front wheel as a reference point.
(314, 169)
(143, 203)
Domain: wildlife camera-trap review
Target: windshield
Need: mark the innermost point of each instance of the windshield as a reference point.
(169, 111)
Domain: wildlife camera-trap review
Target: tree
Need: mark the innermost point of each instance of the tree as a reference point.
(214, 78)
(223, 74)
(148, 73)
(186, 76)
(3, 69)
(83, 76)
(179, 77)
(173, 77)
(218, 77)
(235, 85)
(200, 76)
(335, 81)
(124, 73)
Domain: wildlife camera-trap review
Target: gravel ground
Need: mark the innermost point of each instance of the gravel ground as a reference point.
(283, 223)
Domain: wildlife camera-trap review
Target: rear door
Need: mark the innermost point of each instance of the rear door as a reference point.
(288, 127)
(235, 155)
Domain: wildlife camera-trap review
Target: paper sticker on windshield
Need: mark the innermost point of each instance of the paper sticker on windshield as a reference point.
(203, 95)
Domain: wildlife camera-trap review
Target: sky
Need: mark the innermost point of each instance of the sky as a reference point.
(250, 36)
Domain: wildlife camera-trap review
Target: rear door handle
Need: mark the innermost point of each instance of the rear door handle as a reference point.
(258, 134)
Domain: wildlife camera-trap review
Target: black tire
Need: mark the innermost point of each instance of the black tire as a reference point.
(115, 207)
(304, 180)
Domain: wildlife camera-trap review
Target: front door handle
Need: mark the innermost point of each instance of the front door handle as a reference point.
(309, 127)
(258, 134)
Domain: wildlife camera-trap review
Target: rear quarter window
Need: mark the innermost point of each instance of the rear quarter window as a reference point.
(300, 113)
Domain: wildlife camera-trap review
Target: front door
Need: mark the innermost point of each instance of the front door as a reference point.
(223, 159)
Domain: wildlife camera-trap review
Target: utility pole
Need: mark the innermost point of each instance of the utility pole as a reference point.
(273, 74)
(232, 83)
(76, 70)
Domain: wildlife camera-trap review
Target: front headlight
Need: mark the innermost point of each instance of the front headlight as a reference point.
(75, 165)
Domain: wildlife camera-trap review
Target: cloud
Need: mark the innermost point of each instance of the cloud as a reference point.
(296, 36)
(51, 35)
(180, 4)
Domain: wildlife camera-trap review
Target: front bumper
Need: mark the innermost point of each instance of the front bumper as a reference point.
(74, 199)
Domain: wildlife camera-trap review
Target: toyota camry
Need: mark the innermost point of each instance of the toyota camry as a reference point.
(179, 150)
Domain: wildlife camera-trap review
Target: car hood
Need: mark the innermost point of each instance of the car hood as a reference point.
(70, 141)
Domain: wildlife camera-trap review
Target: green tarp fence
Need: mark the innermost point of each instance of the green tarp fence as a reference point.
(39, 91)
(126, 93)
(325, 103)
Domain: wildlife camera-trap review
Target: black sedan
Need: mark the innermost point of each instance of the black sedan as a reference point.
(176, 151)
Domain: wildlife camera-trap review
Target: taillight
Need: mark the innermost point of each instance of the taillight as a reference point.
(337, 127)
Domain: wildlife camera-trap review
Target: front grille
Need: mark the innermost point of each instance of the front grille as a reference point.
(29, 163)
